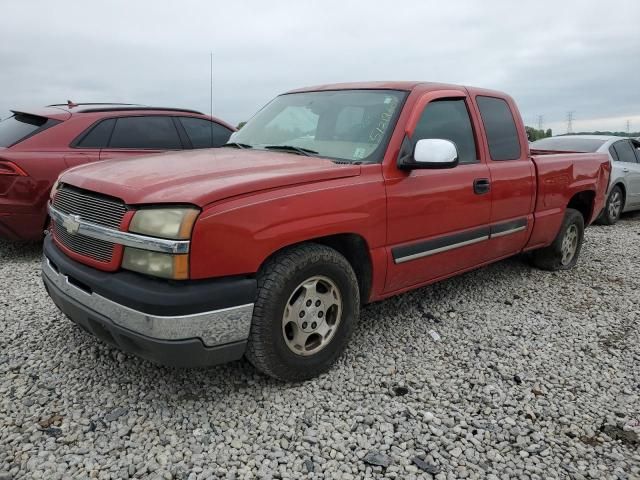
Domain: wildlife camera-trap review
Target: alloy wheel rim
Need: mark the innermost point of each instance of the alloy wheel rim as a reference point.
(569, 244)
(312, 315)
(615, 205)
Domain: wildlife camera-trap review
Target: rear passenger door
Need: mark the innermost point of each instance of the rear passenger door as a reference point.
(142, 135)
(626, 159)
(512, 176)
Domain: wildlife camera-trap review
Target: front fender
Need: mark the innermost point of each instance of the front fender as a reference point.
(235, 237)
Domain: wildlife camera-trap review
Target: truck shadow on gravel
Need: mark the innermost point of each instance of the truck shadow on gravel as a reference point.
(425, 309)
(111, 365)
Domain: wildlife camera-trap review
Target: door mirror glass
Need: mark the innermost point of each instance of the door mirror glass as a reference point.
(435, 153)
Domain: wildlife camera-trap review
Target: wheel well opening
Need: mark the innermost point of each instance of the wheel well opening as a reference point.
(624, 191)
(583, 202)
(356, 251)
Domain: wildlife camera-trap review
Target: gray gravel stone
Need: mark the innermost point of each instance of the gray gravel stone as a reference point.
(378, 459)
(572, 339)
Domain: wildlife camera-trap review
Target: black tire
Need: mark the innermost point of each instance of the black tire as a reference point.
(278, 279)
(611, 212)
(553, 257)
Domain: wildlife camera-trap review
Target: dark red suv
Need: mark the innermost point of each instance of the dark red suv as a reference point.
(36, 146)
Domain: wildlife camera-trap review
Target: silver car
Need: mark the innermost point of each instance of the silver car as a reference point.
(624, 153)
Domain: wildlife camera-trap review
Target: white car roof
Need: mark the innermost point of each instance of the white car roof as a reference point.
(594, 137)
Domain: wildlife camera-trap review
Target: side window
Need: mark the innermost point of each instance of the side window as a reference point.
(152, 132)
(98, 136)
(449, 119)
(636, 147)
(625, 151)
(203, 133)
(500, 127)
(613, 153)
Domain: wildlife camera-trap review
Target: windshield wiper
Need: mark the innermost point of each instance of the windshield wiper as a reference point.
(291, 148)
(237, 145)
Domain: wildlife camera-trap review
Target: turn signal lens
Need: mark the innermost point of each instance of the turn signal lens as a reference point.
(10, 168)
(164, 265)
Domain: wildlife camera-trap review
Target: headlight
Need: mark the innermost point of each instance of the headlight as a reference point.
(163, 265)
(173, 223)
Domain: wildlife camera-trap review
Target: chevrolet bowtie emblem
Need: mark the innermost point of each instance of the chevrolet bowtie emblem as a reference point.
(71, 224)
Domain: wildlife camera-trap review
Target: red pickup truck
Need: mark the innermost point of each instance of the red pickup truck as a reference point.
(328, 198)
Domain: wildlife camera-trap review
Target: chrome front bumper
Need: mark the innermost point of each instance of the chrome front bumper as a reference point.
(213, 328)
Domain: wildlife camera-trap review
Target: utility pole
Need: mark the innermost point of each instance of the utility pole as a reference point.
(540, 121)
(570, 121)
(628, 128)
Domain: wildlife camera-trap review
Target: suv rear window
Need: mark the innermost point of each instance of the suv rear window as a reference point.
(21, 126)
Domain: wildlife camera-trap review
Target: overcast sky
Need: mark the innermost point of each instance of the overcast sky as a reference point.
(552, 56)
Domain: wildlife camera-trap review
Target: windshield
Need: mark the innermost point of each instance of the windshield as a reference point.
(568, 144)
(20, 126)
(347, 125)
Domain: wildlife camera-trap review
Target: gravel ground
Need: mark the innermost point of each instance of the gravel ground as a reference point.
(504, 372)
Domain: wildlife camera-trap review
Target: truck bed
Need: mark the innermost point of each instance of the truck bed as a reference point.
(560, 176)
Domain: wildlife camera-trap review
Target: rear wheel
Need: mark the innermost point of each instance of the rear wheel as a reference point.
(613, 208)
(563, 253)
(308, 303)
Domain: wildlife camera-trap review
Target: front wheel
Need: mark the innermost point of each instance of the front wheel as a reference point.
(308, 303)
(613, 208)
(563, 253)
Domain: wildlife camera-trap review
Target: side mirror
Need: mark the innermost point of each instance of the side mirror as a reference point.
(431, 153)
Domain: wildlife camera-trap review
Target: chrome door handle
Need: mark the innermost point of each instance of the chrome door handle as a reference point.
(625, 170)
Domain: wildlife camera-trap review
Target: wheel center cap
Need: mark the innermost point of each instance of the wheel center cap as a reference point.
(314, 316)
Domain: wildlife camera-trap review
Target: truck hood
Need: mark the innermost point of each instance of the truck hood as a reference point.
(201, 177)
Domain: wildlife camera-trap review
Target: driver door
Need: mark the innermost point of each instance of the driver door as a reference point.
(438, 220)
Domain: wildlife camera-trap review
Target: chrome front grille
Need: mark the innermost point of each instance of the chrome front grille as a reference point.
(93, 208)
(83, 245)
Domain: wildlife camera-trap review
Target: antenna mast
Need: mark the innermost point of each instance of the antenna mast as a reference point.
(211, 93)
(211, 85)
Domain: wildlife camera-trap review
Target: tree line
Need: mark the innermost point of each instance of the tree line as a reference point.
(534, 134)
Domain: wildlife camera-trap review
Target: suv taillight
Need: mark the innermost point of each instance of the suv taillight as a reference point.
(10, 168)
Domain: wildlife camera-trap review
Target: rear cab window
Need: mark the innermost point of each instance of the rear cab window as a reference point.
(21, 126)
(500, 128)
